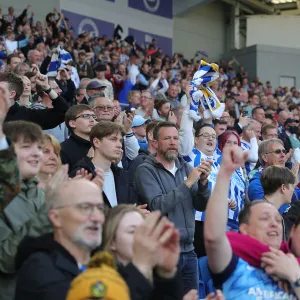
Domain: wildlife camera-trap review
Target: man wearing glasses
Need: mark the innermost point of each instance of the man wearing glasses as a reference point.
(270, 153)
(79, 119)
(104, 110)
(205, 145)
(76, 213)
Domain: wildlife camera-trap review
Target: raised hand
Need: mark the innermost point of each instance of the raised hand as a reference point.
(127, 121)
(57, 179)
(144, 209)
(232, 159)
(284, 266)
(42, 80)
(232, 204)
(145, 244)
(172, 118)
(154, 240)
(35, 69)
(193, 177)
(205, 168)
(244, 120)
(168, 251)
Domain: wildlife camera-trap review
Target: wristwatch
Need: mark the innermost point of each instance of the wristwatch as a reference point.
(296, 284)
(48, 90)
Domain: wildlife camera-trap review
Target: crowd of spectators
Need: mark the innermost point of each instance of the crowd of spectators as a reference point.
(110, 190)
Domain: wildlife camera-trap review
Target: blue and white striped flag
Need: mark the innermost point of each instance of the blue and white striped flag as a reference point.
(62, 57)
(202, 94)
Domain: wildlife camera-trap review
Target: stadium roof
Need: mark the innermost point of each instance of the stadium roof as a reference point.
(276, 7)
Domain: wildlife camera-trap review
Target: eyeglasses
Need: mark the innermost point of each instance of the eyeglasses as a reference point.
(277, 151)
(87, 117)
(85, 208)
(104, 108)
(207, 136)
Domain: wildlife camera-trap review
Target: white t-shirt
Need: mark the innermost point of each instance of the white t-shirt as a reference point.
(109, 188)
(11, 46)
(173, 170)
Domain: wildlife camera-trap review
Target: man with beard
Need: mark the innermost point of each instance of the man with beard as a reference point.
(167, 183)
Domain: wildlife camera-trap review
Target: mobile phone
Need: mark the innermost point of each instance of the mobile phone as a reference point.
(129, 110)
(245, 113)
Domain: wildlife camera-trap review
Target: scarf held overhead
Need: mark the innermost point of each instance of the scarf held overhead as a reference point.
(58, 60)
(202, 94)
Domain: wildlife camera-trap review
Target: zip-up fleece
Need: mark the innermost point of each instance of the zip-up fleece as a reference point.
(158, 188)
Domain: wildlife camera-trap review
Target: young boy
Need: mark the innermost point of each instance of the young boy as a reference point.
(25, 214)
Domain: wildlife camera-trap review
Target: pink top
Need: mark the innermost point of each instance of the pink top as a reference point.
(251, 250)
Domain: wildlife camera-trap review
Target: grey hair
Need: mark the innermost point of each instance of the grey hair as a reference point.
(250, 125)
(53, 195)
(18, 68)
(94, 97)
(263, 148)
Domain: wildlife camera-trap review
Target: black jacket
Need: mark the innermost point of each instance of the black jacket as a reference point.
(286, 141)
(143, 154)
(74, 149)
(68, 89)
(51, 268)
(47, 118)
(46, 270)
(124, 190)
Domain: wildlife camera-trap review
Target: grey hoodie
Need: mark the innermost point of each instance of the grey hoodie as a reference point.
(158, 188)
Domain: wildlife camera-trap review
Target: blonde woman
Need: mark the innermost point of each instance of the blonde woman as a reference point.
(51, 160)
(121, 223)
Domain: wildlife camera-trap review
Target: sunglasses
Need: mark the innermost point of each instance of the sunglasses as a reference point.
(278, 151)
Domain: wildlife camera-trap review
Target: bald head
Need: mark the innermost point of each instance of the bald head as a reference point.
(72, 192)
(77, 215)
(282, 117)
(34, 57)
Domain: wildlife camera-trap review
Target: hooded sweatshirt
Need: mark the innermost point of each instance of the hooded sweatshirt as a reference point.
(163, 191)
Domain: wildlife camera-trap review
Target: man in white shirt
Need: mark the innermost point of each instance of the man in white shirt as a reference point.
(106, 138)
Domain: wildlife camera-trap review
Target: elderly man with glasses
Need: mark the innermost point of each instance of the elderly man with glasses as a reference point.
(270, 153)
(48, 264)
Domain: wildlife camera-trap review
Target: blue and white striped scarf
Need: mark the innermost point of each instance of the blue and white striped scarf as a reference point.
(202, 94)
(236, 192)
(194, 160)
(58, 60)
